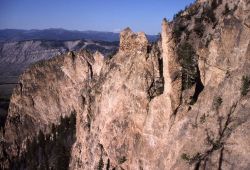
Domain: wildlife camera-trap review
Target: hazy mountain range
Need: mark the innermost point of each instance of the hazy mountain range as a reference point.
(59, 34)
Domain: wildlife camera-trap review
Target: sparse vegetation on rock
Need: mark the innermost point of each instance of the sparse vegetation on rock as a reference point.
(203, 119)
(245, 85)
(100, 164)
(199, 27)
(122, 159)
(217, 102)
(49, 151)
(187, 58)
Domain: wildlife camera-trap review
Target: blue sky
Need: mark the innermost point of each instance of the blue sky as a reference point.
(99, 15)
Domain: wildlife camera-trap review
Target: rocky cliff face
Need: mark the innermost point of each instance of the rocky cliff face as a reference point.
(180, 103)
(46, 92)
(17, 56)
(176, 105)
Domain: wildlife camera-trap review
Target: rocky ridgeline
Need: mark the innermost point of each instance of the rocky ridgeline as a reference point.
(180, 103)
(17, 56)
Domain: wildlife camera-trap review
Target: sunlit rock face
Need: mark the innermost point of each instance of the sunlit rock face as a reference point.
(180, 103)
(113, 125)
(177, 126)
(46, 92)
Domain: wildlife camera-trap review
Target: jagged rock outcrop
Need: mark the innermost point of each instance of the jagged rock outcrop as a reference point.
(46, 92)
(183, 127)
(180, 103)
(15, 57)
(117, 105)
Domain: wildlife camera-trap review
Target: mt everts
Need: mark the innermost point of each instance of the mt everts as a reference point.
(180, 103)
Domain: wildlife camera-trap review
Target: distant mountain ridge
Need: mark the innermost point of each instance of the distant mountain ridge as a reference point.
(9, 35)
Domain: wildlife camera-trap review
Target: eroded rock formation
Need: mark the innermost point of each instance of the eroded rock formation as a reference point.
(179, 103)
(46, 92)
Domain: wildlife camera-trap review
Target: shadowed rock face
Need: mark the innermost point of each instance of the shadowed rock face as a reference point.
(168, 105)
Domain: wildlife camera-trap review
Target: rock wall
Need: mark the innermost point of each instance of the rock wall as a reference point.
(180, 103)
(116, 107)
(133, 129)
(46, 92)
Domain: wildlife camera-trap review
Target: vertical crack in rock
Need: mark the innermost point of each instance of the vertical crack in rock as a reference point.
(160, 61)
(221, 158)
(90, 71)
(72, 54)
(156, 86)
(21, 88)
(198, 87)
(108, 164)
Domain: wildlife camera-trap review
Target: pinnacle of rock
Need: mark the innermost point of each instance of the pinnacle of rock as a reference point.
(165, 27)
(164, 20)
(127, 30)
(131, 42)
(99, 61)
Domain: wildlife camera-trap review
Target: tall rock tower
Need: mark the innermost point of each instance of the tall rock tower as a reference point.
(171, 68)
